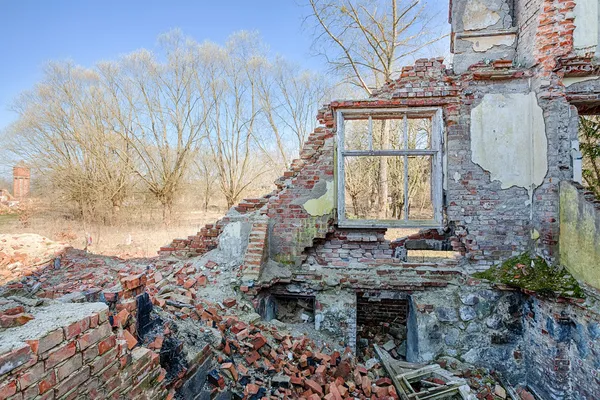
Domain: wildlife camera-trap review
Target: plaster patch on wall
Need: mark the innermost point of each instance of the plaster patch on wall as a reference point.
(579, 239)
(478, 16)
(576, 79)
(322, 205)
(585, 36)
(484, 43)
(508, 139)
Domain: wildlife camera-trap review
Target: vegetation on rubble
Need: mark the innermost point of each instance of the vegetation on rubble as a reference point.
(533, 273)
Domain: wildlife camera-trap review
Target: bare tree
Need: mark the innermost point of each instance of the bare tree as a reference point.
(367, 39)
(232, 129)
(289, 98)
(589, 136)
(62, 133)
(160, 110)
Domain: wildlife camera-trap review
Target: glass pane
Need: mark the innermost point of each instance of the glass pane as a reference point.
(356, 134)
(419, 133)
(420, 204)
(387, 134)
(374, 187)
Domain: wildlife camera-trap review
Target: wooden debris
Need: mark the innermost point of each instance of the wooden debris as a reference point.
(429, 378)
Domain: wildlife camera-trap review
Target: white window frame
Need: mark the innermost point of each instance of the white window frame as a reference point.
(437, 174)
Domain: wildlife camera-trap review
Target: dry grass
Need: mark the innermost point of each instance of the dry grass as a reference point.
(124, 240)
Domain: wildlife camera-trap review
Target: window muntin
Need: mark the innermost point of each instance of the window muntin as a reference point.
(393, 152)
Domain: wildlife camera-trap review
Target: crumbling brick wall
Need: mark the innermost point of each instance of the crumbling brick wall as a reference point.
(71, 351)
(527, 21)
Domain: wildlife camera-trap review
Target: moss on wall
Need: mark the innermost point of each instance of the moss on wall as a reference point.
(533, 274)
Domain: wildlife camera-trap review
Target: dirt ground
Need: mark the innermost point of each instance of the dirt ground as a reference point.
(124, 240)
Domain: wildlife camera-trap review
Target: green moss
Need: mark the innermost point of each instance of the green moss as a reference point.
(533, 274)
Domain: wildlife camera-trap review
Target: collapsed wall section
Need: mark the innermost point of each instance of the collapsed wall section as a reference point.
(70, 350)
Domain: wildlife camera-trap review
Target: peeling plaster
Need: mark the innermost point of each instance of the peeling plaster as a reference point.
(508, 139)
(576, 79)
(484, 43)
(478, 16)
(322, 205)
(585, 36)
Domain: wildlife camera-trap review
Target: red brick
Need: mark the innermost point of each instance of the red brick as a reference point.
(8, 389)
(74, 381)
(11, 321)
(47, 382)
(17, 357)
(69, 366)
(259, 341)
(31, 375)
(90, 353)
(107, 344)
(94, 336)
(230, 302)
(60, 354)
(131, 341)
(122, 318)
(314, 386)
(102, 362)
(52, 339)
(76, 328)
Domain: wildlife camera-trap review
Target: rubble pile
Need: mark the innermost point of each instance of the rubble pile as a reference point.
(22, 255)
(194, 312)
(389, 336)
(258, 360)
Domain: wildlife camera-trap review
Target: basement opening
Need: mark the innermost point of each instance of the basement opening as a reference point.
(291, 309)
(382, 319)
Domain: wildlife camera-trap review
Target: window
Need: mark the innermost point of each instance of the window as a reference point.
(389, 168)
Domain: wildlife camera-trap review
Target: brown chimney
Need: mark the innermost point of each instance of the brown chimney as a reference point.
(21, 176)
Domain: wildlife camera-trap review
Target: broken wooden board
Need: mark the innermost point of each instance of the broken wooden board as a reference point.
(403, 374)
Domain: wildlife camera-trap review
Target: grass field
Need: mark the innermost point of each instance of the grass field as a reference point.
(120, 240)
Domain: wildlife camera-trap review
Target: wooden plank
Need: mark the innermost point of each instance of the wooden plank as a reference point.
(509, 389)
(341, 182)
(437, 173)
(389, 153)
(406, 176)
(386, 365)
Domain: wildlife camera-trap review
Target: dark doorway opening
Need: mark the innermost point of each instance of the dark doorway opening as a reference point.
(381, 319)
(286, 308)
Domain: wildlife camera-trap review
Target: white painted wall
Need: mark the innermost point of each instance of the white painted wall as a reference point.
(587, 34)
(508, 139)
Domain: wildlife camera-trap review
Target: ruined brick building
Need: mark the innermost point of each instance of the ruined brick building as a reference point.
(497, 144)
(503, 160)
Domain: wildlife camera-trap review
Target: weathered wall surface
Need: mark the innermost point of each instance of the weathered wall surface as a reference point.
(586, 35)
(508, 139)
(70, 351)
(527, 19)
(580, 233)
(474, 323)
(482, 30)
(561, 356)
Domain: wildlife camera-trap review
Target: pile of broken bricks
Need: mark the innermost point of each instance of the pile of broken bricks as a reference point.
(254, 360)
(257, 361)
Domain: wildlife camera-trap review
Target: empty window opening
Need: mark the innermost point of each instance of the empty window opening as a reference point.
(587, 161)
(382, 320)
(290, 309)
(389, 168)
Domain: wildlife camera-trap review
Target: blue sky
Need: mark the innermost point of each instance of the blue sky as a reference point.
(85, 31)
(33, 32)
